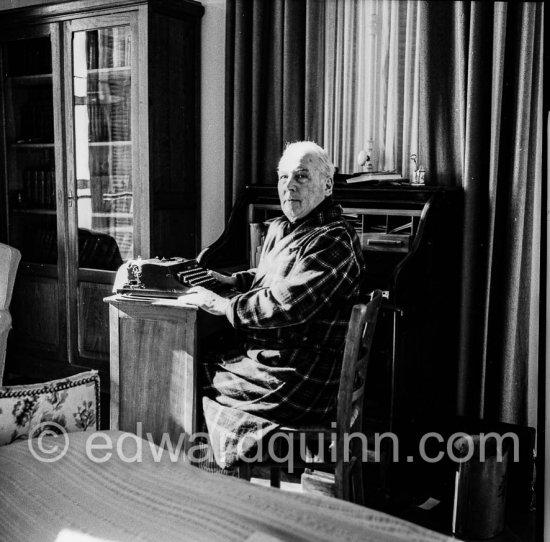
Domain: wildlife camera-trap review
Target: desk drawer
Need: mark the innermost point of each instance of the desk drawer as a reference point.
(385, 242)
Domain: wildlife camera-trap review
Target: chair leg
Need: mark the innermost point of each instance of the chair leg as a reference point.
(275, 477)
(244, 471)
(357, 484)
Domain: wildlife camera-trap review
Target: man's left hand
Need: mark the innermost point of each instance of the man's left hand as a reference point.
(206, 300)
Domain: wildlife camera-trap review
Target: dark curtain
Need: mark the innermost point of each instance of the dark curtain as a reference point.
(481, 128)
(274, 85)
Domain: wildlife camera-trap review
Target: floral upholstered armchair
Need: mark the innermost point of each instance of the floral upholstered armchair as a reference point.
(64, 405)
(59, 406)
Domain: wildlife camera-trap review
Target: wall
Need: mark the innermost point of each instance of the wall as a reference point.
(212, 120)
(212, 112)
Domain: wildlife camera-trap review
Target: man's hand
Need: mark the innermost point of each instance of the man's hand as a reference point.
(206, 300)
(230, 281)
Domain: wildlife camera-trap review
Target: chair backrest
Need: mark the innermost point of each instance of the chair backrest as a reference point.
(351, 392)
(9, 261)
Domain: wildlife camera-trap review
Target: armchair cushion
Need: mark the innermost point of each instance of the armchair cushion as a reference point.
(68, 404)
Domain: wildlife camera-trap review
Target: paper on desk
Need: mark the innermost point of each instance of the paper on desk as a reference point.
(178, 302)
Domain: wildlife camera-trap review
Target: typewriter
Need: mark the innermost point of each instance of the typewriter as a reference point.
(168, 278)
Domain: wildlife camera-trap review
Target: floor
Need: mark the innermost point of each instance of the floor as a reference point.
(519, 527)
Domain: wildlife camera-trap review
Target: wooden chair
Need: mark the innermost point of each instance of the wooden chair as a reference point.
(348, 477)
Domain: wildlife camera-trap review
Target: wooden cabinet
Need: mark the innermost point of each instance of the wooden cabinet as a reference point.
(153, 354)
(99, 163)
(155, 347)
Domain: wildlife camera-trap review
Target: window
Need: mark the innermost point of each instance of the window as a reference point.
(371, 84)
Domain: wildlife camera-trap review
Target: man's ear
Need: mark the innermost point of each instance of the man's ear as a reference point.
(328, 186)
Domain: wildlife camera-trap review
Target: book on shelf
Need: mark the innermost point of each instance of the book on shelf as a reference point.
(375, 176)
(93, 50)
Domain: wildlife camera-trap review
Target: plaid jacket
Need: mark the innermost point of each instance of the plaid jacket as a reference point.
(292, 320)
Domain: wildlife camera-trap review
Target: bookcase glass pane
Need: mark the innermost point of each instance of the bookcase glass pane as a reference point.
(30, 148)
(29, 56)
(103, 146)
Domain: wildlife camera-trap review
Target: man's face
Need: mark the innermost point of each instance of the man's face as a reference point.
(301, 185)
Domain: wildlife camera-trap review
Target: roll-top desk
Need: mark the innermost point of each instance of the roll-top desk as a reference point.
(412, 242)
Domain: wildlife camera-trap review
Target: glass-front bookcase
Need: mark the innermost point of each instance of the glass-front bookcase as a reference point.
(31, 166)
(30, 148)
(102, 96)
(102, 105)
(99, 163)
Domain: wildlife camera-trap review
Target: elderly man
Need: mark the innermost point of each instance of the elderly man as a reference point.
(291, 316)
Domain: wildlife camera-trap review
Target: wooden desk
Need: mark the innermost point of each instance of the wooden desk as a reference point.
(154, 350)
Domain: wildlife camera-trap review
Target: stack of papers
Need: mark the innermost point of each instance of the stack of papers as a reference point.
(375, 177)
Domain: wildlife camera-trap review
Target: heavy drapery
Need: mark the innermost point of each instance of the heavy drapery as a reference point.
(481, 128)
(274, 85)
(343, 73)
